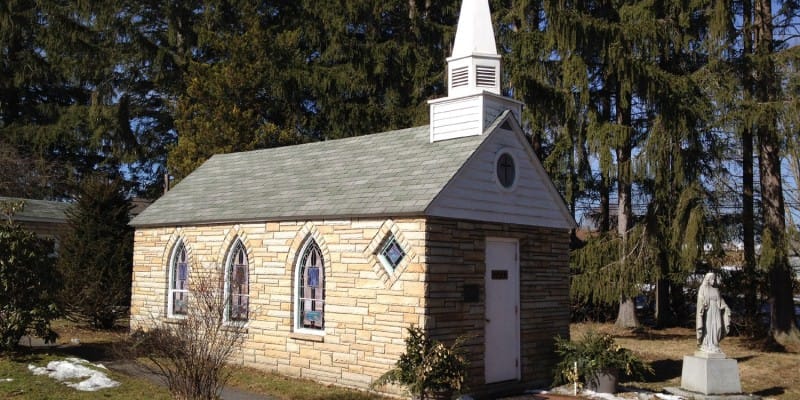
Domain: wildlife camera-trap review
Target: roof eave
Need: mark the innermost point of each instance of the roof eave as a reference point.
(420, 213)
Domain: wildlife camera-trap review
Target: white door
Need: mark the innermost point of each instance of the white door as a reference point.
(502, 353)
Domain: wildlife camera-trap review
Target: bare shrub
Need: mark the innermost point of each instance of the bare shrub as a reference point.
(190, 353)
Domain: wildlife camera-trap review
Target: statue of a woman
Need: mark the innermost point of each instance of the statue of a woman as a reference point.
(713, 315)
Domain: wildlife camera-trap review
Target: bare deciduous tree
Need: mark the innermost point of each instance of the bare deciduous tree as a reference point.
(190, 353)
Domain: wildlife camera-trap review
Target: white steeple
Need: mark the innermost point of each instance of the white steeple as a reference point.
(475, 33)
(474, 65)
(473, 79)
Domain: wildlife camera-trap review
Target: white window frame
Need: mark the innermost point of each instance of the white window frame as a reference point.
(298, 325)
(172, 268)
(228, 294)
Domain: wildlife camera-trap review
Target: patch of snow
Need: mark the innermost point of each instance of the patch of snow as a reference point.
(668, 396)
(72, 369)
(603, 396)
(536, 391)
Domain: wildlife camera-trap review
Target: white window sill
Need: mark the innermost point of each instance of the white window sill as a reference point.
(308, 336)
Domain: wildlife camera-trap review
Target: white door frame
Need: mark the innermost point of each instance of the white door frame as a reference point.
(513, 336)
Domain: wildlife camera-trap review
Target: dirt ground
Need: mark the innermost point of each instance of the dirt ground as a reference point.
(771, 372)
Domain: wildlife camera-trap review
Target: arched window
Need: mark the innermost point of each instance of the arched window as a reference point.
(237, 285)
(310, 293)
(178, 296)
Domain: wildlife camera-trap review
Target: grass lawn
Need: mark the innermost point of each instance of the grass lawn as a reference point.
(770, 374)
(98, 346)
(24, 385)
(284, 388)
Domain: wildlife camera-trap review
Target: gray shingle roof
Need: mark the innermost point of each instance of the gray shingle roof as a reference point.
(391, 173)
(40, 210)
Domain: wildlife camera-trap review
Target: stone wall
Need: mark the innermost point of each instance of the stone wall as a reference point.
(455, 257)
(367, 309)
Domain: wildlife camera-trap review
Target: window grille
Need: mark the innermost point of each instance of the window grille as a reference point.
(506, 170)
(179, 283)
(311, 289)
(392, 253)
(238, 286)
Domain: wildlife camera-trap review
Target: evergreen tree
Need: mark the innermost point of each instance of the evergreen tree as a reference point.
(279, 73)
(623, 73)
(246, 90)
(374, 64)
(41, 100)
(770, 139)
(64, 95)
(96, 255)
(749, 66)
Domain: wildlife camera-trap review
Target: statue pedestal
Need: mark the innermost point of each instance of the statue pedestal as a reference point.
(710, 373)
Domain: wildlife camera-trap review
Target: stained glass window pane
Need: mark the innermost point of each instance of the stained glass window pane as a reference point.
(238, 285)
(179, 283)
(311, 289)
(180, 302)
(393, 253)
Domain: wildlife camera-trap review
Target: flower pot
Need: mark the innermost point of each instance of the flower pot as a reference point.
(604, 381)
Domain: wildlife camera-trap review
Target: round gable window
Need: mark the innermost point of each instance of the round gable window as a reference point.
(506, 170)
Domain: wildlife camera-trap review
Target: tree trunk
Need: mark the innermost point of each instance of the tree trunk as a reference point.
(605, 204)
(605, 185)
(626, 317)
(748, 215)
(663, 313)
(773, 255)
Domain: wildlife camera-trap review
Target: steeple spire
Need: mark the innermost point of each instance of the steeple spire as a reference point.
(474, 98)
(474, 34)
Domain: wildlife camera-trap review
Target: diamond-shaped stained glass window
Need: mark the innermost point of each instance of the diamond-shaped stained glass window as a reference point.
(392, 253)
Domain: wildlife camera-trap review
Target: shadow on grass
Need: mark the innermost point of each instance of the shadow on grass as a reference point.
(655, 335)
(764, 344)
(25, 356)
(93, 352)
(665, 370)
(773, 391)
(744, 359)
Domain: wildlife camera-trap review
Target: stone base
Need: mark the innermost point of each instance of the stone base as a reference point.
(710, 375)
(685, 394)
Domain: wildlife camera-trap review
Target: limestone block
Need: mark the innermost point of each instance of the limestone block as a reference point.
(710, 375)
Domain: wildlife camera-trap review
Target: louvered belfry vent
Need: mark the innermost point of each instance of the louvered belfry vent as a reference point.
(460, 77)
(485, 76)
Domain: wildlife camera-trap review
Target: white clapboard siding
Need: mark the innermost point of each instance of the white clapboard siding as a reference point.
(469, 115)
(451, 118)
(475, 194)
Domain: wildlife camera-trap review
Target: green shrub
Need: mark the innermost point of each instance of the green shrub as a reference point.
(28, 283)
(593, 353)
(428, 367)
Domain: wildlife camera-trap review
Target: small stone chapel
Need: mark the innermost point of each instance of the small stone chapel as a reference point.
(331, 250)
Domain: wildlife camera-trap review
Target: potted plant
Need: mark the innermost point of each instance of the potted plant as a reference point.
(597, 360)
(428, 368)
